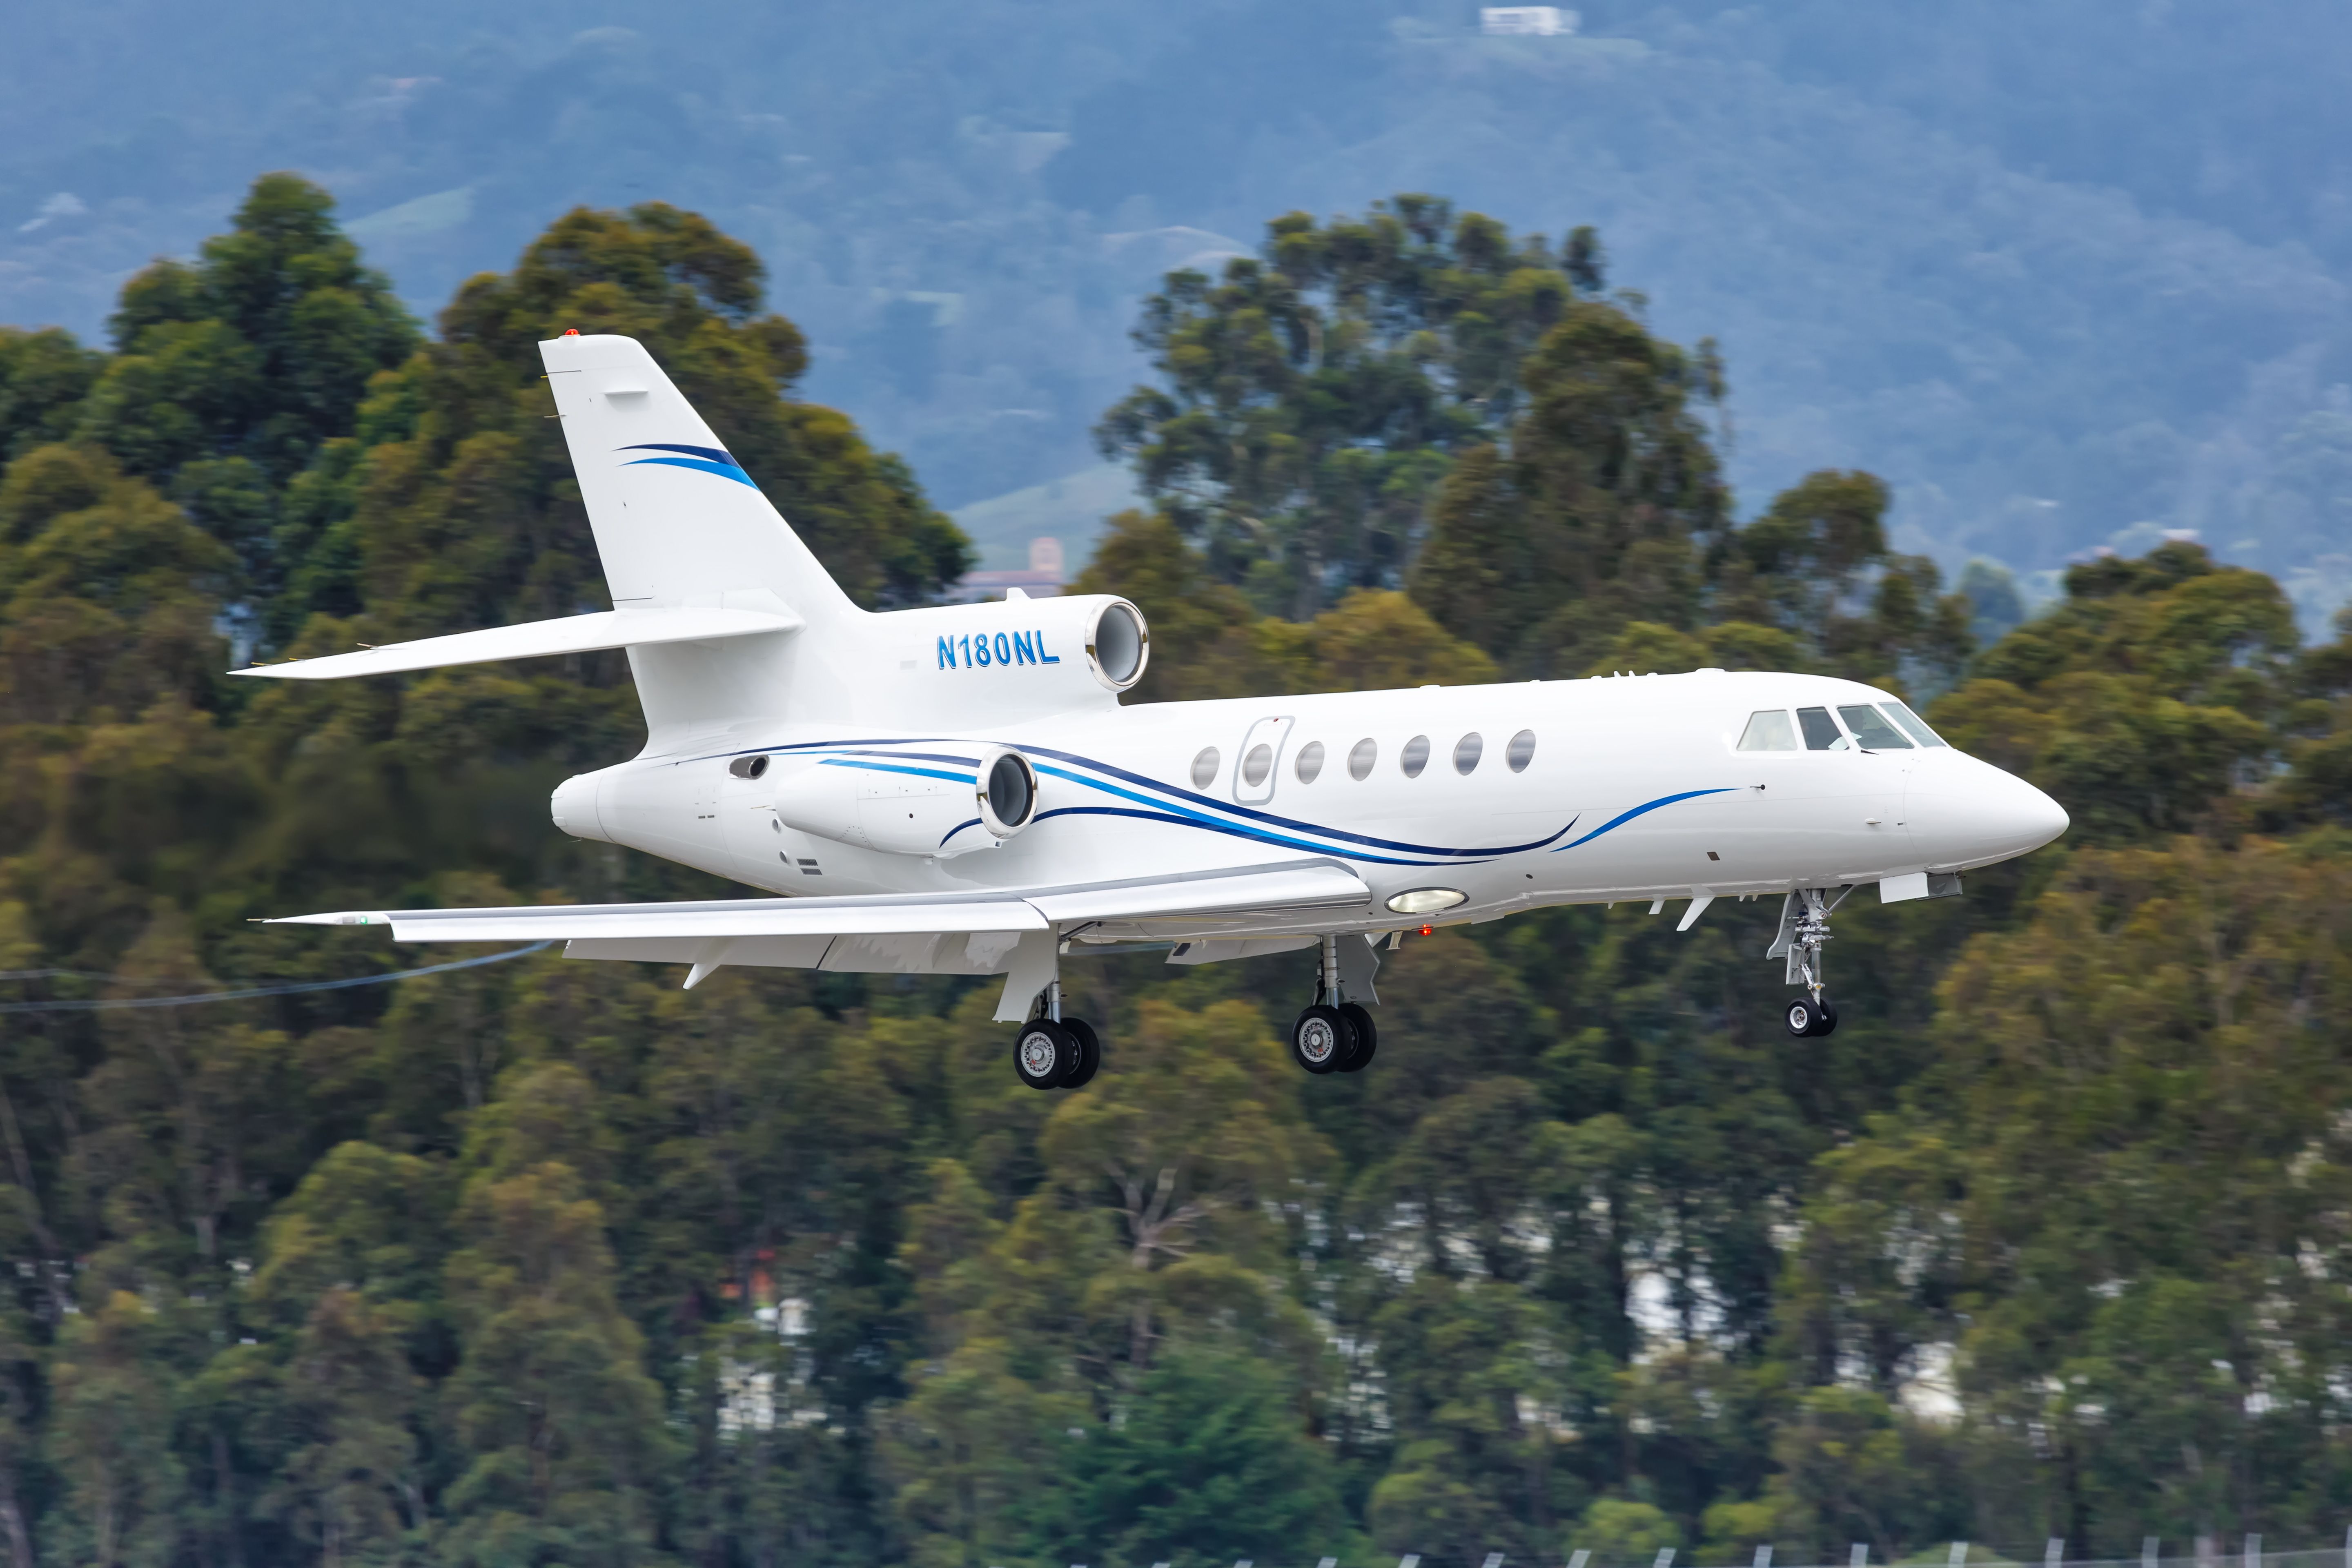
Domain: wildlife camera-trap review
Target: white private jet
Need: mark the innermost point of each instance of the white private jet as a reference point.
(958, 791)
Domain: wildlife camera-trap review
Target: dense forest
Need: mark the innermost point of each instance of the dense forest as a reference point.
(540, 1263)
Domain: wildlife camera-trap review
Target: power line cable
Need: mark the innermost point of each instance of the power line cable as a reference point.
(287, 989)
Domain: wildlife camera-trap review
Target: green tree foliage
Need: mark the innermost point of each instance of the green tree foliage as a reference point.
(1413, 399)
(554, 1262)
(1314, 395)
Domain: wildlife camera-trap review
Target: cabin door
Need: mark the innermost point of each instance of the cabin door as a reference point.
(1260, 761)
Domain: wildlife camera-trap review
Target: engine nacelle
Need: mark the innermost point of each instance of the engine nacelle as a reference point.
(933, 810)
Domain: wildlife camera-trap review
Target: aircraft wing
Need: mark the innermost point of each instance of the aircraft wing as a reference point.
(930, 933)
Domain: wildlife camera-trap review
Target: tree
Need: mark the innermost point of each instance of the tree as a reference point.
(551, 1398)
(1314, 395)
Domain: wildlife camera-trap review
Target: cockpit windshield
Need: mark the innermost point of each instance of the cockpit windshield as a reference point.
(1822, 733)
(1870, 728)
(1911, 723)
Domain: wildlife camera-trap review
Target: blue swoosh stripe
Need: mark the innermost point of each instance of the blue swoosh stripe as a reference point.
(1170, 813)
(1623, 817)
(958, 828)
(715, 453)
(972, 779)
(1174, 811)
(724, 470)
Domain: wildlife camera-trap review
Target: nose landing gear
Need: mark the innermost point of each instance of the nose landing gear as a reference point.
(1805, 928)
(1336, 1035)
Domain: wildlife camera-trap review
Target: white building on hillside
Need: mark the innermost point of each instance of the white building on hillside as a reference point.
(1526, 22)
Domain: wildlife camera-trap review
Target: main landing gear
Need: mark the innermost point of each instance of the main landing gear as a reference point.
(1804, 927)
(1055, 1052)
(1334, 1035)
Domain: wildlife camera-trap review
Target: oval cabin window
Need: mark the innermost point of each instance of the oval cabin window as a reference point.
(1466, 753)
(1522, 751)
(1204, 767)
(1414, 757)
(1257, 764)
(1360, 760)
(1309, 765)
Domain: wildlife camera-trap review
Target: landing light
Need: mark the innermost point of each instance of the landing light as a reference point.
(1427, 900)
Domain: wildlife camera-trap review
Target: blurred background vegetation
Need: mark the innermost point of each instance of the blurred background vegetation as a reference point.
(540, 1263)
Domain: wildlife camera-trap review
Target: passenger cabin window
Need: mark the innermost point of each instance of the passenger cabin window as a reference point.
(1257, 765)
(1309, 765)
(1414, 757)
(1911, 723)
(1466, 753)
(1821, 733)
(1769, 732)
(1522, 751)
(1360, 760)
(1871, 729)
(1204, 768)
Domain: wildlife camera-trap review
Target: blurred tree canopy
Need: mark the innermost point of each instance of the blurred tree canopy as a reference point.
(543, 1263)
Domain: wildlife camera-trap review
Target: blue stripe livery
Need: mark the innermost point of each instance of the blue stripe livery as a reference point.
(1623, 817)
(1155, 802)
(701, 459)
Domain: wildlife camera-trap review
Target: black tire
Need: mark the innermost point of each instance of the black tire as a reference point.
(1368, 1036)
(1042, 1052)
(1089, 1052)
(1809, 1020)
(1320, 1039)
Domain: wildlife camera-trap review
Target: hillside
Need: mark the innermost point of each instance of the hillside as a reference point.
(2066, 279)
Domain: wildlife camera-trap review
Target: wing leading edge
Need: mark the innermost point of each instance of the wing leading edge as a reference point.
(924, 933)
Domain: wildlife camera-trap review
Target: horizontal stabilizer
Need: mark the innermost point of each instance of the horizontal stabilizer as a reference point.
(534, 639)
(1256, 894)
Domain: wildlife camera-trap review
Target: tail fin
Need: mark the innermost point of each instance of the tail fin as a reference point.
(678, 524)
(676, 521)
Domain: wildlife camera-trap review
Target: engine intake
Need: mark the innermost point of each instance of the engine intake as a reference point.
(1008, 792)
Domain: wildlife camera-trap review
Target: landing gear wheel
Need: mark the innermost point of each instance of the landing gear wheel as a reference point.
(1043, 1052)
(1809, 1020)
(1368, 1038)
(1320, 1040)
(1089, 1052)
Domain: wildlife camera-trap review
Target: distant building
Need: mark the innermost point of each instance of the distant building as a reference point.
(1042, 579)
(1526, 22)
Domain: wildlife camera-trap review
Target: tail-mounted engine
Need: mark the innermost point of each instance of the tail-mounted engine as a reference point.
(913, 807)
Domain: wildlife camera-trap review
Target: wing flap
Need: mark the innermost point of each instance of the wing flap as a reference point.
(533, 639)
(1273, 892)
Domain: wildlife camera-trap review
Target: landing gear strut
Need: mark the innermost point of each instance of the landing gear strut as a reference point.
(1335, 1035)
(1804, 927)
(1054, 1052)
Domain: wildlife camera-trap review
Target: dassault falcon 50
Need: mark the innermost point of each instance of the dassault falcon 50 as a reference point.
(957, 790)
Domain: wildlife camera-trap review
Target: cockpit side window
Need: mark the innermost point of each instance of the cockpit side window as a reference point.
(1870, 726)
(1912, 724)
(1768, 731)
(1821, 733)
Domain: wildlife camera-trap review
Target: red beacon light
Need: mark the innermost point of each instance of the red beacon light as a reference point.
(571, 331)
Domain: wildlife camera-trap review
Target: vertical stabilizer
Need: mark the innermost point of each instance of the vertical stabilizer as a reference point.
(678, 524)
(677, 519)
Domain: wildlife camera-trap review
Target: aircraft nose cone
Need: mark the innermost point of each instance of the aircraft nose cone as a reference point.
(2041, 818)
(1982, 815)
(2006, 815)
